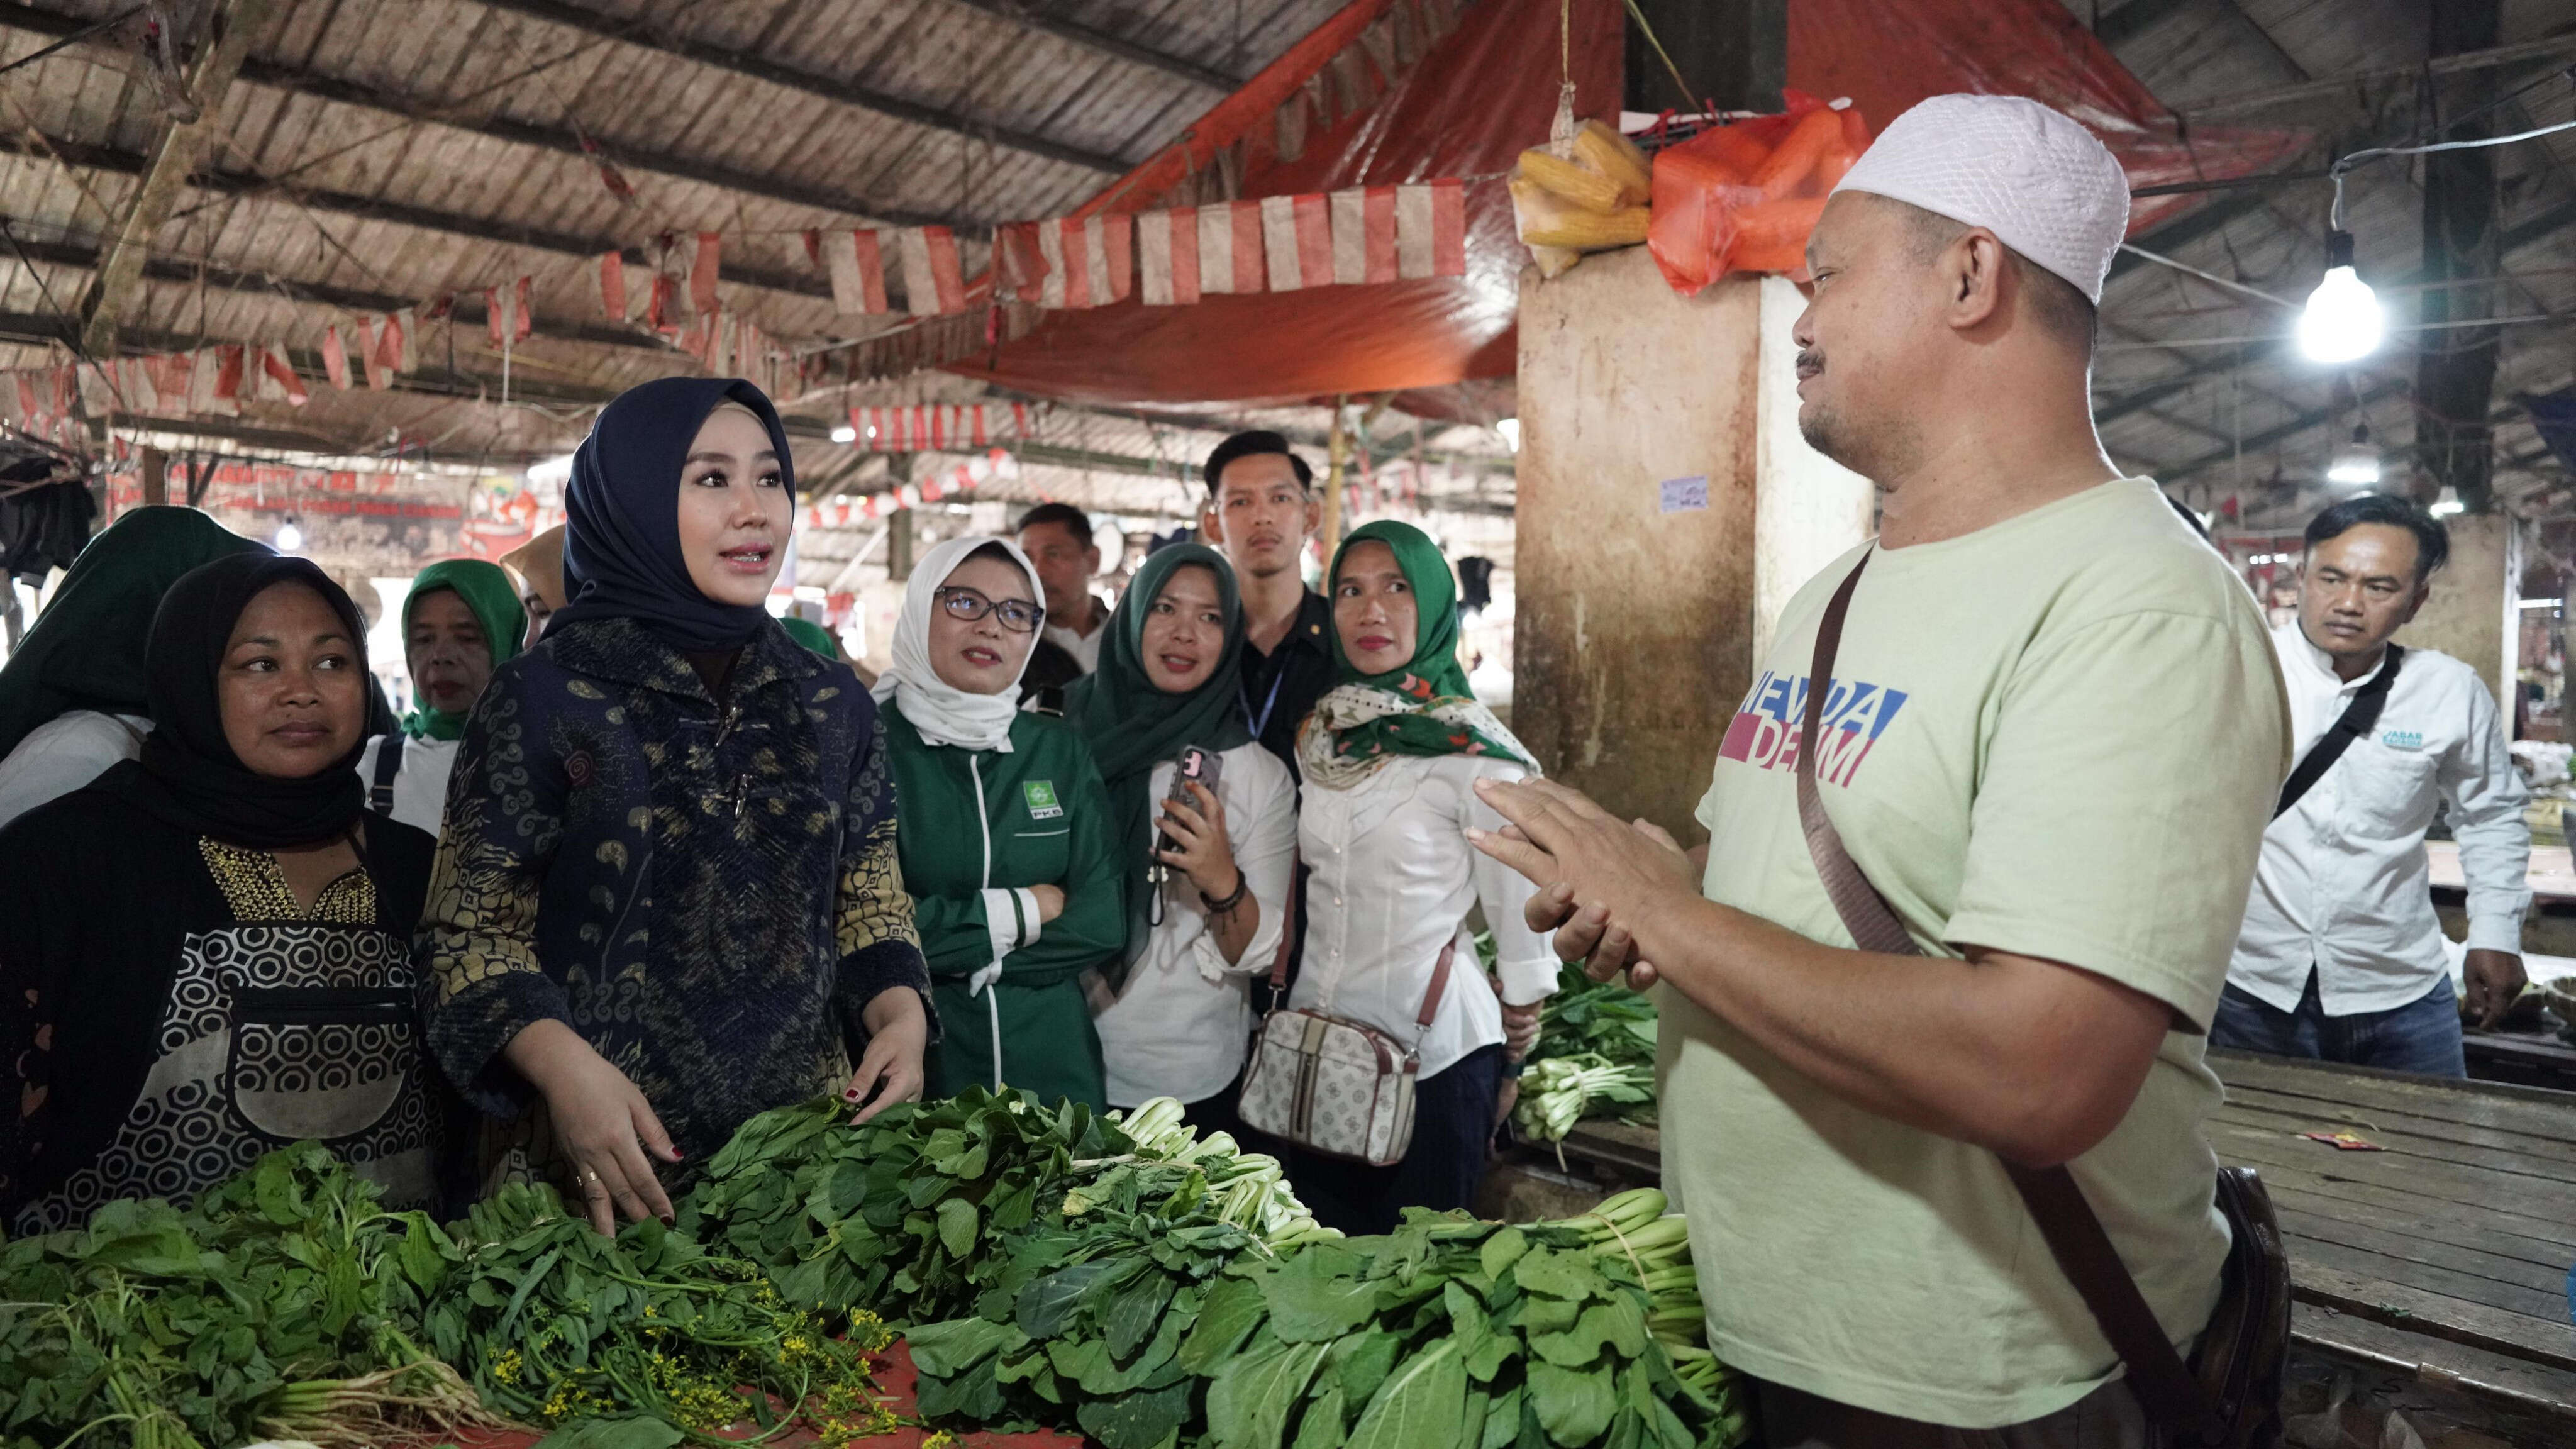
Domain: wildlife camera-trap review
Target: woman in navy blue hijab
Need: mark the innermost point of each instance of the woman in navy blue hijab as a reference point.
(667, 899)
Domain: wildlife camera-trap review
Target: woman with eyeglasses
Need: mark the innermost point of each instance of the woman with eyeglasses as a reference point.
(666, 900)
(1009, 849)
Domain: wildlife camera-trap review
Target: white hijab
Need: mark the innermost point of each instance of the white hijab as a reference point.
(945, 714)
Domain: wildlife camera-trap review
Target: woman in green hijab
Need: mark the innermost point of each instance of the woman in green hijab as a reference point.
(72, 698)
(1206, 912)
(1391, 757)
(461, 619)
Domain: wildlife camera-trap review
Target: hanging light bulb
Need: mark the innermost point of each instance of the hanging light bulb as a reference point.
(2342, 322)
(845, 434)
(2447, 502)
(1510, 428)
(2357, 461)
(290, 537)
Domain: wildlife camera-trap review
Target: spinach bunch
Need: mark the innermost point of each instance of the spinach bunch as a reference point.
(552, 1322)
(1085, 1324)
(911, 1215)
(281, 1305)
(1470, 1335)
(1446, 1333)
(1596, 1018)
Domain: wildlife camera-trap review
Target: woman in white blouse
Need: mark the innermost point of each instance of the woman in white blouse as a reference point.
(1208, 893)
(1390, 757)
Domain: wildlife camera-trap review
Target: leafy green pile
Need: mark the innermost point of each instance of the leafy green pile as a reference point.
(1595, 1057)
(1085, 1324)
(913, 1215)
(553, 1322)
(1596, 1018)
(280, 1306)
(1446, 1333)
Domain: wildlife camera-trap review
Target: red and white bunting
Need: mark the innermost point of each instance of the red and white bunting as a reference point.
(1075, 273)
(1019, 260)
(1230, 248)
(335, 358)
(505, 314)
(1167, 256)
(857, 266)
(612, 286)
(702, 271)
(1363, 235)
(1297, 241)
(281, 380)
(933, 283)
(371, 351)
(228, 378)
(929, 427)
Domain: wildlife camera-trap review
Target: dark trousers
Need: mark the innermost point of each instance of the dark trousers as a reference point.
(1453, 1125)
(2421, 1036)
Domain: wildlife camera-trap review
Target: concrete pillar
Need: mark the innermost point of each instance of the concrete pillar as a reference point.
(1666, 508)
(2475, 612)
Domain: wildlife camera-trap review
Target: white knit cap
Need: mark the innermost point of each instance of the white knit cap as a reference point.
(2031, 175)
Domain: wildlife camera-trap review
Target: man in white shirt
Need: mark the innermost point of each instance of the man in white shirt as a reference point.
(1057, 539)
(2340, 956)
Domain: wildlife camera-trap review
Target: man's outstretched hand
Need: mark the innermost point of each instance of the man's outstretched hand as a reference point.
(1597, 875)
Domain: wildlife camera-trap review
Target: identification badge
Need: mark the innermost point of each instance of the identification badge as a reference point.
(1041, 797)
(2403, 739)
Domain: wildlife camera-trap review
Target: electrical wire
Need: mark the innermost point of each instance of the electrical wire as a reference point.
(2344, 166)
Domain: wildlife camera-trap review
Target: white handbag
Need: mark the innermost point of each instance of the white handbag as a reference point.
(1335, 1086)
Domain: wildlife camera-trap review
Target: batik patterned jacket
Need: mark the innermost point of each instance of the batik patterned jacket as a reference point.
(709, 894)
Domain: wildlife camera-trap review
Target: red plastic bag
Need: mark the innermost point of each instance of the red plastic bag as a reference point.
(1743, 197)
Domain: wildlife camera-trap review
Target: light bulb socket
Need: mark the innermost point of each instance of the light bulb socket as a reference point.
(2338, 249)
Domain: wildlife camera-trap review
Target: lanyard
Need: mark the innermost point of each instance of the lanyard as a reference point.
(1261, 722)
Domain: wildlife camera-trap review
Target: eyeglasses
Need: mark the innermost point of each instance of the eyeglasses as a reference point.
(1018, 615)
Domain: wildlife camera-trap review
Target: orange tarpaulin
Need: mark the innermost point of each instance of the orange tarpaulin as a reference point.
(1467, 109)
(1888, 54)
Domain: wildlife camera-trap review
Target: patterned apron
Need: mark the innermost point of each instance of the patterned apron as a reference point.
(282, 1026)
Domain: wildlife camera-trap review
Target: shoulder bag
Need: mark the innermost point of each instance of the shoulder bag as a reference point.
(1334, 1086)
(2229, 1395)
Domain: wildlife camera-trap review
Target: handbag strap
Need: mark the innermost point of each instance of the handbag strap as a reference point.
(389, 759)
(1439, 984)
(2074, 1233)
(2358, 717)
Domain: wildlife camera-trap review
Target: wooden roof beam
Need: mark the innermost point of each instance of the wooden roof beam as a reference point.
(562, 140)
(176, 145)
(242, 184)
(1021, 12)
(848, 93)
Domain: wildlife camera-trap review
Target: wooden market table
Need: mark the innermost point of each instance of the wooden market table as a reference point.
(2442, 1258)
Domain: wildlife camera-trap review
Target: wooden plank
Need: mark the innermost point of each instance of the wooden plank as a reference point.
(2369, 1122)
(2548, 1280)
(2522, 1386)
(2472, 1187)
(2536, 1110)
(2420, 1220)
(2513, 1335)
(2407, 1143)
(2543, 1306)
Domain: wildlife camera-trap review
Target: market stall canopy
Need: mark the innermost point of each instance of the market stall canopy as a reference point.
(1483, 93)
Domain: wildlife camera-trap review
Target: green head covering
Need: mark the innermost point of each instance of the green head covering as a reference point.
(813, 636)
(1423, 707)
(1132, 725)
(86, 650)
(493, 599)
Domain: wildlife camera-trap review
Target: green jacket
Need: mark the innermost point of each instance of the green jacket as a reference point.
(982, 825)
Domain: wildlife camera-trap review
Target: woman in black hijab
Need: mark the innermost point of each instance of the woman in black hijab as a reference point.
(205, 953)
(667, 897)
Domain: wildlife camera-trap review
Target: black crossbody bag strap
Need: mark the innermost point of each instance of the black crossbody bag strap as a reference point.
(389, 759)
(2358, 718)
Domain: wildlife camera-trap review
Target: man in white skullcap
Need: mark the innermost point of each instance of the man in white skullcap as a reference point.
(2052, 735)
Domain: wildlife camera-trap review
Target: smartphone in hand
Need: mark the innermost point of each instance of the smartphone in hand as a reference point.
(1198, 765)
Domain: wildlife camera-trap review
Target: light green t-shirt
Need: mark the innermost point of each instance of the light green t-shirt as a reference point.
(2058, 737)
